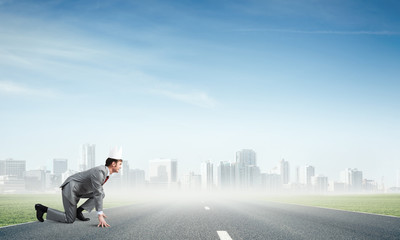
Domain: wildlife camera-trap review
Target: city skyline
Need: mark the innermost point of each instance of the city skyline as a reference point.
(242, 173)
(310, 82)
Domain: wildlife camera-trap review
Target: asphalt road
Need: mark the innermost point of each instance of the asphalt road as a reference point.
(205, 218)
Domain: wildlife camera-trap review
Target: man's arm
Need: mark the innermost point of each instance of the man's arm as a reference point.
(98, 192)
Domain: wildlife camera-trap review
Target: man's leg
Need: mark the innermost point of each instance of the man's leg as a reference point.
(69, 215)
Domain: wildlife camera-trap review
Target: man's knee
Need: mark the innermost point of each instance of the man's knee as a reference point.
(103, 195)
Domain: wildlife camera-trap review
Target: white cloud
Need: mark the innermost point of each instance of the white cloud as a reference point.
(7, 87)
(196, 98)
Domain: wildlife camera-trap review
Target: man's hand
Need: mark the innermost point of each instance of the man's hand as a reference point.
(102, 222)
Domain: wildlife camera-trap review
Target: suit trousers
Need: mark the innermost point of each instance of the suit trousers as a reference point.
(69, 215)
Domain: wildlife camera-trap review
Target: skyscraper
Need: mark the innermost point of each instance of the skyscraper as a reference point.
(224, 175)
(163, 171)
(244, 159)
(60, 166)
(319, 183)
(305, 175)
(88, 159)
(11, 167)
(191, 181)
(284, 171)
(207, 175)
(136, 178)
(352, 178)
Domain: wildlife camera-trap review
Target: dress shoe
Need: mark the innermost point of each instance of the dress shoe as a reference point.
(80, 216)
(40, 210)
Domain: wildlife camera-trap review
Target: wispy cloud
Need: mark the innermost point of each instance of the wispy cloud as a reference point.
(11, 88)
(196, 98)
(318, 31)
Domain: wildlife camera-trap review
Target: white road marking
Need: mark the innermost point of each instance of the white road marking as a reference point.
(206, 208)
(223, 235)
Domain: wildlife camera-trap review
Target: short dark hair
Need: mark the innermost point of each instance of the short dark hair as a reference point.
(109, 161)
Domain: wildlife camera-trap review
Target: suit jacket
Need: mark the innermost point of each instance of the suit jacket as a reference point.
(86, 184)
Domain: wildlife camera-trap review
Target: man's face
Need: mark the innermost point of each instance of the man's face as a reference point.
(116, 166)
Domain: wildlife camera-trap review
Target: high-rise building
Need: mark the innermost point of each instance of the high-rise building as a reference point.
(191, 181)
(137, 178)
(125, 174)
(284, 171)
(253, 176)
(11, 167)
(88, 159)
(319, 183)
(224, 175)
(352, 178)
(60, 166)
(163, 171)
(207, 175)
(305, 175)
(271, 182)
(298, 174)
(35, 180)
(244, 159)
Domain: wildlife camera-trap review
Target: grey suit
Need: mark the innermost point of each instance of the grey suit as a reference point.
(86, 184)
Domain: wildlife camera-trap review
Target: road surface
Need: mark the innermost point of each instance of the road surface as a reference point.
(206, 218)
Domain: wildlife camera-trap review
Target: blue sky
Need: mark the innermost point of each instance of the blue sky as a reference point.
(313, 82)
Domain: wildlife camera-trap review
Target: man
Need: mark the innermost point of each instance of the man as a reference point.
(86, 184)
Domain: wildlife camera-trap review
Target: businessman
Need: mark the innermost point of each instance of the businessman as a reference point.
(86, 184)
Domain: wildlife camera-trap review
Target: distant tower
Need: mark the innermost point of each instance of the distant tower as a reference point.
(284, 171)
(207, 174)
(306, 174)
(352, 178)
(60, 166)
(244, 159)
(163, 171)
(11, 167)
(88, 159)
(224, 175)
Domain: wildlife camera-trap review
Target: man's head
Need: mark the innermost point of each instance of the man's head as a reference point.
(114, 164)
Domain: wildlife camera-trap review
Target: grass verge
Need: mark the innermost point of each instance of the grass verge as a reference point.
(385, 204)
(19, 208)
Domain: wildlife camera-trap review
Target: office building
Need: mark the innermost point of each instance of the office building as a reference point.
(305, 175)
(35, 180)
(244, 158)
(319, 183)
(284, 171)
(88, 157)
(224, 175)
(60, 166)
(191, 181)
(137, 178)
(207, 175)
(11, 167)
(163, 171)
(353, 179)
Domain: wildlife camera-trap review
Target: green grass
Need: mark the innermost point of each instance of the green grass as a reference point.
(385, 204)
(19, 208)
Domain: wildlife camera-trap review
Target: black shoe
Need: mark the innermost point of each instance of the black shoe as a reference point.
(80, 216)
(40, 210)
